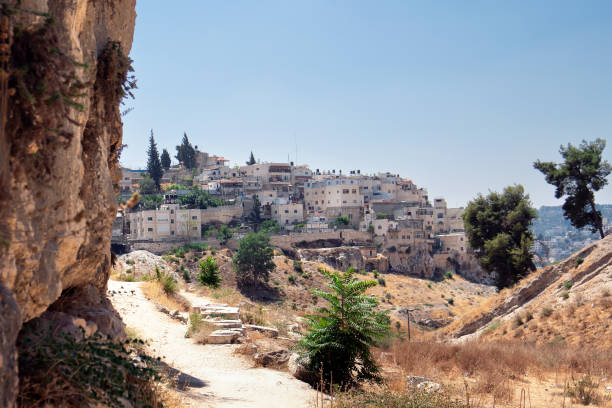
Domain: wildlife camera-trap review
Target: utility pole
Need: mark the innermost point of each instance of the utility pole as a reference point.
(408, 320)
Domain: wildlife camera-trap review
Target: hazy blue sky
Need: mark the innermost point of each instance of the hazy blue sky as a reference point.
(459, 96)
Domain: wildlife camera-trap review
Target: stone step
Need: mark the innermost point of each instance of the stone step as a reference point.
(226, 324)
(223, 336)
(269, 331)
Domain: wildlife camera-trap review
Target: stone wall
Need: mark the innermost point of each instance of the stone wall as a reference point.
(59, 169)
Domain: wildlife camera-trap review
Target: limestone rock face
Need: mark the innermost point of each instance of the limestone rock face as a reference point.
(417, 263)
(59, 148)
(340, 258)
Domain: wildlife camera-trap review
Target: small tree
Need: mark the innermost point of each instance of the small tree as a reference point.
(498, 229)
(254, 257)
(251, 160)
(147, 185)
(154, 167)
(341, 221)
(165, 160)
(209, 273)
(185, 153)
(338, 341)
(581, 174)
(255, 216)
(224, 233)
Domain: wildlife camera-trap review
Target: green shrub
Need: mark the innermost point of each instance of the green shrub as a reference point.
(209, 273)
(565, 295)
(528, 316)
(584, 391)
(297, 265)
(291, 279)
(166, 279)
(382, 282)
(568, 285)
(451, 301)
(78, 371)
(195, 322)
(579, 261)
(321, 269)
(375, 273)
(306, 275)
(340, 335)
(448, 275)
(254, 257)
(130, 261)
(185, 274)
(518, 321)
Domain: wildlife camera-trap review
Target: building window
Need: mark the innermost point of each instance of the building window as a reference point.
(171, 232)
(286, 211)
(171, 211)
(150, 219)
(171, 221)
(194, 217)
(150, 229)
(345, 191)
(295, 211)
(195, 228)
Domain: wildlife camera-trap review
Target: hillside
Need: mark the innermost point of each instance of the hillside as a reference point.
(569, 302)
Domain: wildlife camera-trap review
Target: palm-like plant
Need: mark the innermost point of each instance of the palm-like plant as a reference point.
(341, 333)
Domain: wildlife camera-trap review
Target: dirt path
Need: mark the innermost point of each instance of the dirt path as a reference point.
(215, 376)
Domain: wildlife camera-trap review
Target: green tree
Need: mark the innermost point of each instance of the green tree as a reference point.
(185, 153)
(165, 160)
(254, 216)
(341, 333)
(147, 185)
(270, 226)
(254, 257)
(149, 201)
(341, 222)
(498, 229)
(251, 160)
(154, 167)
(224, 233)
(582, 173)
(209, 272)
(199, 199)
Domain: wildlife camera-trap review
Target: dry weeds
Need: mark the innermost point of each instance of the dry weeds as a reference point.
(154, 291)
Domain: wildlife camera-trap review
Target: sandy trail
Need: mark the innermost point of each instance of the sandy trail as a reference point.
(214, 375)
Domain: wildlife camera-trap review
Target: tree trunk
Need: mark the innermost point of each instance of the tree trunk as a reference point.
(599, 222)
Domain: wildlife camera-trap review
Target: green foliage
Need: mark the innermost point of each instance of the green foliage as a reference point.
(224, 233)
(579, 261)
(154, 167)
(147, 185)
(195, 323)
(253, 259)
(370, 229)
(269, 226)
(166, 279)
(341, 222)
(518, 321)
(448, 275)
(165, 160)
(375, 273)
(130, 261)
(199, 199)
(381, 216)
(382, 282)
(254, 216)
(340, 335)
(70, 370)
(251, 160)
(497, 228)
(565, 295)
(568, 285)
(297, 265)
(185, 274)
(185, 153)
(584, 391)
(451, 301)
(582, 173)
(388, 399)
(209, 273)
(291, 279)
(149, 202)
(528, 316)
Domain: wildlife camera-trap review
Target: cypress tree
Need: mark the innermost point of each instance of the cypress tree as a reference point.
(251, 160)
(154, 167)
(185, 153)
(165, 160)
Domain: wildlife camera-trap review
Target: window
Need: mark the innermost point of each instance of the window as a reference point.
(353, 191)
(171, 232)
(171, 211)
(295, 211)
(150, 219)
(345, 191)
(286, 211)
(194, 217)
(171, 221)
(195, 228)
(150, 229)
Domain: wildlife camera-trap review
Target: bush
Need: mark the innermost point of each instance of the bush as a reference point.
(166, 279)
(528, 316)
(70, 370)
(451, 301)
(209, 273)
(382, 282)
(340, 335)
(341, 221)
(297, 265)
(375, 273)
(584, 391)
(321, 269)
(185, 274)
(388, 399)
(547, 312)
(253, 259)
(565, 295)
(579, 261)
(291, 279)
(448, 275)
(568, 285)
(130, 261)
(518, 321)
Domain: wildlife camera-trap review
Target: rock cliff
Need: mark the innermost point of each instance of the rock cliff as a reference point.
(60, 139)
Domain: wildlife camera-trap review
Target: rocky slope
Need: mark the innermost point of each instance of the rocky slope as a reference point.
(568, 302)
(60, 139)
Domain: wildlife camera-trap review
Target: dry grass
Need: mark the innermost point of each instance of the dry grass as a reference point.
(154, 291)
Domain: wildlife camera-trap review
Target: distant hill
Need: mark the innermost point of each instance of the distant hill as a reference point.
(559, 238)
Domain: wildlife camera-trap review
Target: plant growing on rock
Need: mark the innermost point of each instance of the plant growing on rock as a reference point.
(340, 335)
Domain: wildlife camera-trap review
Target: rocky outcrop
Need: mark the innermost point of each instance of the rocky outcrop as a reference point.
(340, 258)
(418, 262)
(59, 147)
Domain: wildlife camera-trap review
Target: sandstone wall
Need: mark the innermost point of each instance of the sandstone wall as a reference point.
(59, 146)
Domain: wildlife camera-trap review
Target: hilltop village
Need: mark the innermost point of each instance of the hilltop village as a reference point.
(390, 223)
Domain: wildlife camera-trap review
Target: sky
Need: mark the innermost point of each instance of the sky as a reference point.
(459, 96)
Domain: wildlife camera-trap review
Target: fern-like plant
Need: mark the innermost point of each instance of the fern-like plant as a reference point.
(340, 335)
(209, 273)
